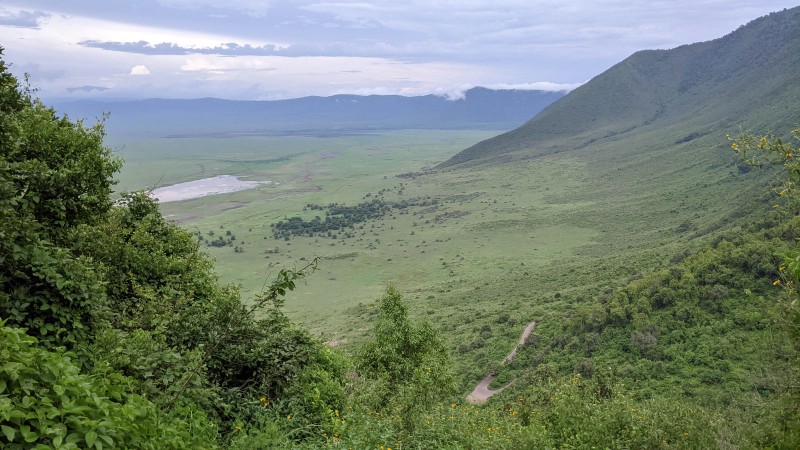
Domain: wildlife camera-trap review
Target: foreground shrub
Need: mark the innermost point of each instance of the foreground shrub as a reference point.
(45, 402)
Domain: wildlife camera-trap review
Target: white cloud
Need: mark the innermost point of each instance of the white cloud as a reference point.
(141, 69)
(536, 86)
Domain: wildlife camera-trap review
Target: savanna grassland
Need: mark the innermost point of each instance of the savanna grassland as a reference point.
(558, 225)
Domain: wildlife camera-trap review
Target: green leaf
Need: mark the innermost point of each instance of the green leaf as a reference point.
(29, 436)
(90, 438)
(9, 432)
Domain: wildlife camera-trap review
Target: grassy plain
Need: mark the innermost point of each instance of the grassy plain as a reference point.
(502, 244)
(488, 223)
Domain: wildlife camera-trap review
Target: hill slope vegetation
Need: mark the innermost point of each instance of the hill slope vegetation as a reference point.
(746, 78)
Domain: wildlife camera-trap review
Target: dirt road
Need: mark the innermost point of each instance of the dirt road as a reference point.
(481, 393)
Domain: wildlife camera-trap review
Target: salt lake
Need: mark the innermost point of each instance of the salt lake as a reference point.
(221, 184)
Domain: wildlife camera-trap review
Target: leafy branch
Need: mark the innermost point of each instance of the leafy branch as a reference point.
(273, 295)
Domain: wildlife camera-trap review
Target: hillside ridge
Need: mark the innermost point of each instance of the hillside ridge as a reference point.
(745, 77)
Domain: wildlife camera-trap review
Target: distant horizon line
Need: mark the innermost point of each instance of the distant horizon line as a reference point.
(453, 95)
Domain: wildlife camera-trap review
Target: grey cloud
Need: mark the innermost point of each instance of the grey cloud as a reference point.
(22, 19)
(39, 73)
(167, 48)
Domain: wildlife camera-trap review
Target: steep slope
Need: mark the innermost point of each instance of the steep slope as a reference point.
(480, 108)
(748, 78)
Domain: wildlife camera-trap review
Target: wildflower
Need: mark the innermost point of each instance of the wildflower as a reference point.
(289, 417)
(453, 405)
(238, 428)
(776, 282)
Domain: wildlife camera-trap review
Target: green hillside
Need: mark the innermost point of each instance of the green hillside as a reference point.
(747, 78)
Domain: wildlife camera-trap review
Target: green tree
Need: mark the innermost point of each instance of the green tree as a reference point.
(407, 361)
(54, 176)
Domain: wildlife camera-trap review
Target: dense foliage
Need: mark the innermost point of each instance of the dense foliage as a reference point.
(125, 323)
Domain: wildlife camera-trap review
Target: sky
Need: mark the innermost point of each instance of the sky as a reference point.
(276, 49)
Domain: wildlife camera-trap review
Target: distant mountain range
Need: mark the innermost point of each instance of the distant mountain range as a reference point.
(749, 78)
(480, 108)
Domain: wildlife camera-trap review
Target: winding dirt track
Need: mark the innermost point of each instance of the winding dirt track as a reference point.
(481, 393)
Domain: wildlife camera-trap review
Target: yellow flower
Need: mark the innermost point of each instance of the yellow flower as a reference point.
(289, 417)
(776, 282)
(453, 405)
(238, 428)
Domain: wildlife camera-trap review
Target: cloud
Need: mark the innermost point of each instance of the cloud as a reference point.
(140, 70)
(168, 48)
(289, 48)
(536, 86)
(86, 89)
(22, 19)
(38, 73)
(460, 92)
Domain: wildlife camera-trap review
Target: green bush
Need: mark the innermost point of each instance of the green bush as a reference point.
(407, 362)
(45, 402)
